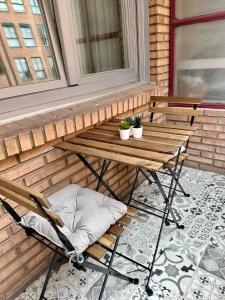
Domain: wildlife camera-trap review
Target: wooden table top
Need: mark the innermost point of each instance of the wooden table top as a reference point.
(156, 148)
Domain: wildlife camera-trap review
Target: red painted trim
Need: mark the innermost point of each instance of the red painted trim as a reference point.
(174, 23)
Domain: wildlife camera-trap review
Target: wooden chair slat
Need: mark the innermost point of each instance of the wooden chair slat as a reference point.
(107, 240)
(138, 162)
(24, 191)
(96, 251)
(181, 100)
(132, 211)
(148, 145)
(125, 220)
(30, 205)
(115, 230)
(150, 155)
(171, 163)
(174, 111)
(171, 126)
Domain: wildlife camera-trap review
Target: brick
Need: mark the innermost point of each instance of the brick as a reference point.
(114, 109)
(87, 119)
(219, 128)
(209, 120)
(216, 142)
(12, 146)
(79, 121)
(70, 125)
(45, 172)
(222, 121)
(131, 103)
(50, 132)
(60, 129)
(195, 139)
(221, 136)
(220, 150)
(135, 102)
(108, 111)
(207, 154)
(212, 168)
(12, 242)
(94, 116)
(120, 107)
(54, 155)
(214, 113)
(38, 137)
(24, 168)
(25, 140)
(2, 152)
(8, 163)
(220, 164)
(200, 146)
(101, 114)
(219, 157)
(57, 187)
(193, 152)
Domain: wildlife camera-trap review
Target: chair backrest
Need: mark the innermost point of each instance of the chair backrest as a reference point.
(190, 111)
(31, 200)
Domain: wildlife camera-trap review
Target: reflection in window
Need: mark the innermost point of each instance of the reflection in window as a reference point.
(27, 35)
(53, 67)
(43, 34)
(35, 7)
(22, 68)
(3, 5)
(11, 36)
(38, 67)
(18, 6)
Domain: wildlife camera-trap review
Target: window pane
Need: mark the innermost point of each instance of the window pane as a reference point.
(99, 35)
(26, 37)
(191, 8)
(35, 7)
(200, 61)
(3, 5)
(18, 6)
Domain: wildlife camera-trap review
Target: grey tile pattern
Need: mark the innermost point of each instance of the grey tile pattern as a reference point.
(192, 265)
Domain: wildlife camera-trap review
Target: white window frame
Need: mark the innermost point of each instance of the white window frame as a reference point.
(21, 61)
(11, 35)
(38, 67)
(27, 34)
(71, 88)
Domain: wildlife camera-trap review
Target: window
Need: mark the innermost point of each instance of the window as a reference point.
(18, 6)
(35, 7)
(27, 35)
(97, 46)
(43, 34)
(11, 36)
(38, 67)
(3, 5)
(199, 56)
(53, 67)
(23, 69)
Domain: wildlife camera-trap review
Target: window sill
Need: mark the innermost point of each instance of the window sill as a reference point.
(37, 130)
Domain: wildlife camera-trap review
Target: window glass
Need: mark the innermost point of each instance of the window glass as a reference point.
(53, 67)
(35, 7)
(27, 35)
(11, 36)
(38, 67)
(18, 6)
(23, 69)
(200, 61)
(99, 35)
(192, 8)
(3, 5)
(43, 34)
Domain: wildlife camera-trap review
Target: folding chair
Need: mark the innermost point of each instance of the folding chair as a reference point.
(46, 223)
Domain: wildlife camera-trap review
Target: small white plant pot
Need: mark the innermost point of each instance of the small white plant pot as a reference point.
(137, 132)
(131, 130)
(124, 134)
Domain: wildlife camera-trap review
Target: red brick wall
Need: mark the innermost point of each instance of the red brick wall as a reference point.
(207, 146)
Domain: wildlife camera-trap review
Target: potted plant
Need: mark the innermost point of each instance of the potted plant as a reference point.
(138, 128)
(131, 122)
(124, 130)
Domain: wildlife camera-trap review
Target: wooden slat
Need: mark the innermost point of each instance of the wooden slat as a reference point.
(172, 126)
(171, 163)
(30, 205)
(174, 111)
(148, 143)
(24, 191)
(107, 240)
(132, 211)
(123, 149)
(125, 220)
(116, 230)
(150, 133)
(183, 100)
(96, 251)
(138, 162)
(149, 126)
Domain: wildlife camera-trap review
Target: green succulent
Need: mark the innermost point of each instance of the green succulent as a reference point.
(124, 125)
(129, 120)
(137, 122)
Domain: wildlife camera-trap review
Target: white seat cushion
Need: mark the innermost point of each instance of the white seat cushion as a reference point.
(86, 214)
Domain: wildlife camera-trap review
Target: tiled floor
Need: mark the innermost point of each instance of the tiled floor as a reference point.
(192, 265)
